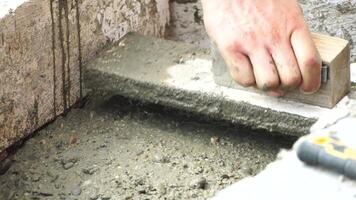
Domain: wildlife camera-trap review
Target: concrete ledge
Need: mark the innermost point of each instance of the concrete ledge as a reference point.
(179, 75)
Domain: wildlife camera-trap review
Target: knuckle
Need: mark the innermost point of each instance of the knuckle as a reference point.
(232, 48)
(292, 81)
(275, 36)
(312, 62)
(246, 82)
(249, 35)
(269, 85)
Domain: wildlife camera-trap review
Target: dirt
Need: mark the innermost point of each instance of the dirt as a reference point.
(115, 148)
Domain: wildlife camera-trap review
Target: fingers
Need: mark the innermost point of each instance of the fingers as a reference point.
(264, 69)
(308, 60)
(241, 71)
(276, 93)
(240, 67)
(290, 64)
(286, 65)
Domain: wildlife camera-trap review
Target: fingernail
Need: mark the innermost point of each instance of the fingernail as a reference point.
(276, 93)
(307, 93)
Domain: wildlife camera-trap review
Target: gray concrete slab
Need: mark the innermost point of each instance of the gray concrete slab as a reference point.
(179, 75)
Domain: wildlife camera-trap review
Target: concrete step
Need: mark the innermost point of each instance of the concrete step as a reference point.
(179, 75)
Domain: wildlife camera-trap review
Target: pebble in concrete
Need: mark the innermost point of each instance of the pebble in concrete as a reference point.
(199, 183)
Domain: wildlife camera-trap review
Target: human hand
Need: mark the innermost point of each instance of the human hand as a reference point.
(264, 43)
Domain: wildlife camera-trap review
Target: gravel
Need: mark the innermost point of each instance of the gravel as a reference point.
(130, 150)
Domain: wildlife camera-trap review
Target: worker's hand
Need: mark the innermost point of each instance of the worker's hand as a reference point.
(265, 43)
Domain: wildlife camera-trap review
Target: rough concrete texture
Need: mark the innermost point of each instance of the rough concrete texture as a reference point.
(292, 180)
(116, 148)
(333, 17)
(289, 174)
(43, 45)
(179, 75)
(186, 23)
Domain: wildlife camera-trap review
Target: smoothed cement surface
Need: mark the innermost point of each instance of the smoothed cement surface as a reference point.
(178, 75)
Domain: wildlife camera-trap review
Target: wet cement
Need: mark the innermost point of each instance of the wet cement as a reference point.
(178, 75)
(115, 148)
(119, 149)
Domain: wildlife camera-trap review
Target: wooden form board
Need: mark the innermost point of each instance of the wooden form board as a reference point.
(43, 45)
(335, 53)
